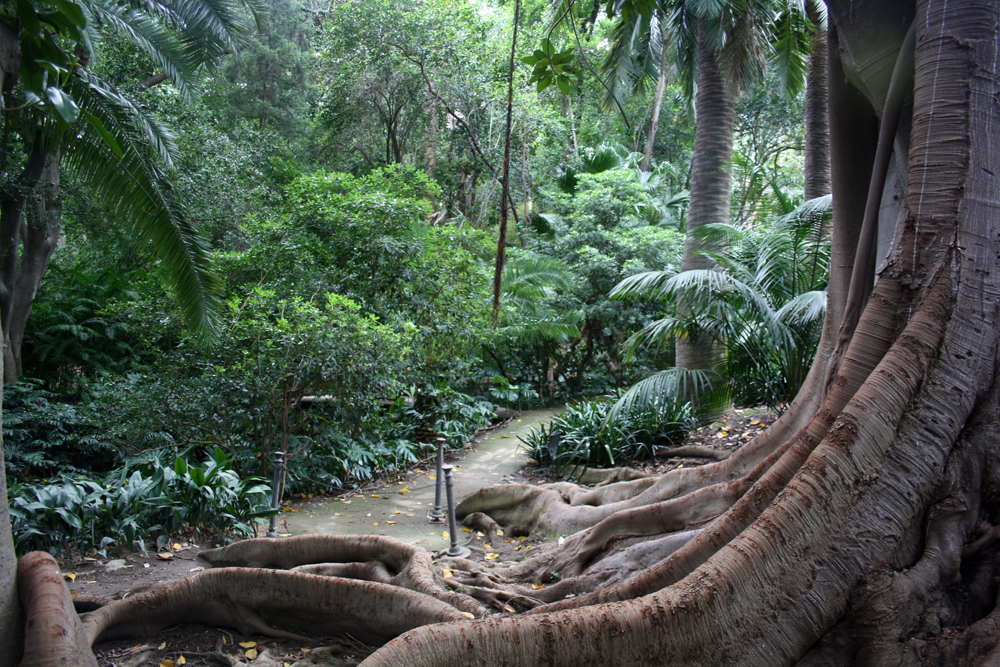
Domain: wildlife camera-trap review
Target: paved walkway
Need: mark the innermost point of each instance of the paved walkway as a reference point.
(400, 510)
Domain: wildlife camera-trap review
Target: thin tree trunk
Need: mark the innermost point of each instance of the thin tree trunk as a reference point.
(817, 154)
(505, 169)
(654, 121)
(711, 185)
(572, 123)
(39, 239)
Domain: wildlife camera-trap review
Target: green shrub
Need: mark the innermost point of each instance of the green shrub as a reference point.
(587, 438)
(144, 498)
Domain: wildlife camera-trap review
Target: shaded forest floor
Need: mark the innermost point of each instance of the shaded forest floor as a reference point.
(122, 574)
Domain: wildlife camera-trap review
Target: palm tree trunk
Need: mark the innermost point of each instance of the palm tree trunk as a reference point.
(817, 157)
(711, 185)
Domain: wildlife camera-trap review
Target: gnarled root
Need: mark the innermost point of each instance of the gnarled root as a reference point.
(370, 557)
(53, 634)
(252, 600)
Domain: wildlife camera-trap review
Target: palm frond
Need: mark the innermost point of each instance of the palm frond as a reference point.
(694, 385)
(138, 191)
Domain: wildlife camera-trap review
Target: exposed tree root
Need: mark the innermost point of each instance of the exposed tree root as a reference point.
(255, 600)
(696, 451)
(52, 630)
(371, 558)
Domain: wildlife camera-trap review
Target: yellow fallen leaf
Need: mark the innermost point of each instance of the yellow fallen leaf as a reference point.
(465, 613)
(468, 530)
(537, 586)
(375, 495)
(391, 523)
(488, 547)
(166, 663)
(398, 512)
(248, 644)
(89, 558)
(447, 574)
(405, 489)
(720, 434)
(69, 576)
(507, 608)
(346, 502)
(145, 564)
(523, 537)
(499, 533)
(376, 523)
(492, 556)
(478, 534)
(251, 653)
(444, 534)
(284, 534)
(162, 646)
(181, 660)
(755, 423)
(561, 540)
(166, 555)
(747, 434)
(177, 547)
(305, 650)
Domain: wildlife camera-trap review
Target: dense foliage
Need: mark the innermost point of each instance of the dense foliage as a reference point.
(343, 173)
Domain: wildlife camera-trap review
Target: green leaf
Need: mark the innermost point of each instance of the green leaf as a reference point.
(563, 83)
(180, 466)
(544, 83)
(102, 132)
(30, 25)
(72, 11)
(64, 105)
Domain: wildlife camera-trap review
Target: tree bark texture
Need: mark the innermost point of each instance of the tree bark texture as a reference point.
(711, 184)
(817, 153)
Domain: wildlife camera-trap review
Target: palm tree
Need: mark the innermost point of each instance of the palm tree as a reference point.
(69, 116)
(763, 303)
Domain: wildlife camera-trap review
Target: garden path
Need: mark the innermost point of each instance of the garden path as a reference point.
(399, 509)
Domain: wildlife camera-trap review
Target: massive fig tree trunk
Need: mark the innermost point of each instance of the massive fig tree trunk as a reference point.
(711, 183)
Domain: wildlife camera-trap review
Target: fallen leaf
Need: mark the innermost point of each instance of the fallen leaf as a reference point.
(90, 582)
(465, 613)
(94, 559)
(537, 586)
(177, 547)
(488, 547)
(69, 576)
(721, 434)
(478, 534)
(196, 569)
(166, 663)
(468, 530)
(376, 523)
(138, 648)
(499, 533)
(305, 650)
(398, 512)
(251, 653)
(284, 534)
(391, 523)
(405, 489)
(375, 495)
(523, 537)
(444, 534)
(492, 556)
(346, 502)
(755, 423)
(166, 555)
(145, 564)
(517, 548)
(181, 660)
(561, 540)
(447, 574)
(161, 646)
(248, 644)
(507, 608)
